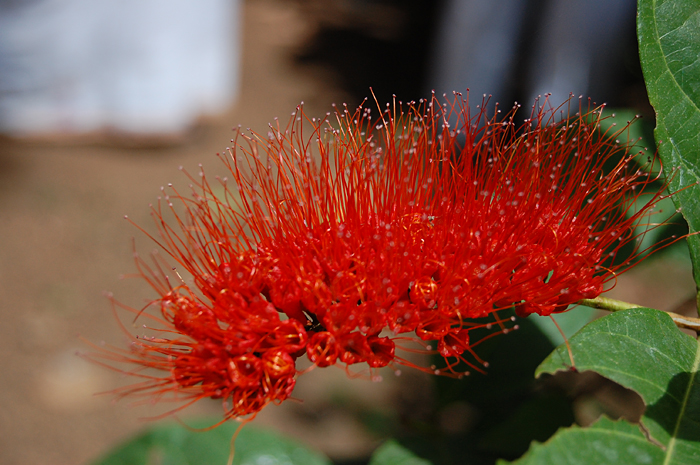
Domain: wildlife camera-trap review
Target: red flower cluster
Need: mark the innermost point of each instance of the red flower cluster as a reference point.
(340, 237)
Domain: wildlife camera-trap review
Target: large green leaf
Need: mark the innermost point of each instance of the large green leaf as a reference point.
(604, 442)
(669, 49)
(392, 453)
(642, 350)
(171, 444)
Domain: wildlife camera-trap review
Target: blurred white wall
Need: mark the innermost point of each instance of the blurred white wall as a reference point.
(137, 66)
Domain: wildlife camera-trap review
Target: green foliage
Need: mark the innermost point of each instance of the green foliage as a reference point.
(392, 453)
(669, 48)
(642, 350)
(172, 444)
(605, 442)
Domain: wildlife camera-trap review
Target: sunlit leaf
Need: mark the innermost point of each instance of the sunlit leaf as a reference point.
(669, 49)
(604, 442)
(642, 350)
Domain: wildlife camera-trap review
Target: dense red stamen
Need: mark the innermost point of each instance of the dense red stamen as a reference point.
(338, 242)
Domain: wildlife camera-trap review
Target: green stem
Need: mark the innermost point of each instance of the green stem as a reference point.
(613, 305)
(610, 305)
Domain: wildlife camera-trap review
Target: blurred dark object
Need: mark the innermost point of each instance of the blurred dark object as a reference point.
(381, 44)
(511, 49)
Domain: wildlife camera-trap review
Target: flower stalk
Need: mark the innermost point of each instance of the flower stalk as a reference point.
(612, 305)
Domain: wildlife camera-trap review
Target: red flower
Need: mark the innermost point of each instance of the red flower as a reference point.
(336, 237)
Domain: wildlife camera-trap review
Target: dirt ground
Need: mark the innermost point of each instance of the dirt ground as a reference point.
(64, 242)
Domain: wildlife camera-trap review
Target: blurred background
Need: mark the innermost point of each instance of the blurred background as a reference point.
(101, 102)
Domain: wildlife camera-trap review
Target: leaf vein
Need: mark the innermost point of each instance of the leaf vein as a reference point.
(684, 405)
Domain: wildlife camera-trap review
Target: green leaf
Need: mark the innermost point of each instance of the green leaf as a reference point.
(171, 444)
(642, 350)
(392, 453)
(604, 442)
(569, 322)
(669, 49)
